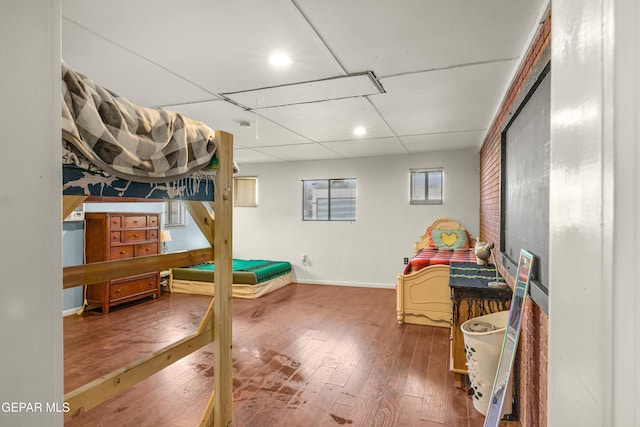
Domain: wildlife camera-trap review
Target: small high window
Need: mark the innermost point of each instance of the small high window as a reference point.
(329, 200)
(426, 186)
(245, 191)
(174, 213)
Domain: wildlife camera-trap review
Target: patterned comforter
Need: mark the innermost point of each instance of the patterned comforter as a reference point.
(126, 140)
(433, 256)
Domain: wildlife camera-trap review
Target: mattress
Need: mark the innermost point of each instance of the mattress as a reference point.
(246, 272)
(434, 256)
(237, 290)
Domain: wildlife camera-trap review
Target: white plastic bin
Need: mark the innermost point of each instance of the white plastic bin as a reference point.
(483, 338)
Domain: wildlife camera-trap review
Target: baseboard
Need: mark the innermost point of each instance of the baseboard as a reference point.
(353, 284)
(70, 311)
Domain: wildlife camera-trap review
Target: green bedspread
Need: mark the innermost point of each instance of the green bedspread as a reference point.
(244, 271)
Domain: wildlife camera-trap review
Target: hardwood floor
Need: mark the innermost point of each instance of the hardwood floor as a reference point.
(305, 355)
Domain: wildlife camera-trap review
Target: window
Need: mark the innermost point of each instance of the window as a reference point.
(174, 213)
(245, 191)
(329, 200)
(426, 186)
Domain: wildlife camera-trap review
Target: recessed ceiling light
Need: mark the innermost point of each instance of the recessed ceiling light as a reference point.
(359, 131)
(280, 59)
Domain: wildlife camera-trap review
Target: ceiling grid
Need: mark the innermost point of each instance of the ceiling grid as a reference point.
(419, 78)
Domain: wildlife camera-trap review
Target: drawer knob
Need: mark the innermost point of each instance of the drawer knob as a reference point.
(147, 249)
(123, 252)
(117, 291)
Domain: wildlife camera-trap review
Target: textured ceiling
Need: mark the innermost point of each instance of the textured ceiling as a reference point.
(419, 75)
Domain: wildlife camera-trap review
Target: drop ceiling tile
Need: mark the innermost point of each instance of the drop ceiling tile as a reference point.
(421, 35)
(298, 93)
(243, 156)
(367, 147)
(294, 153)
(221, 46)
(157, 54)
(123, 72)
(443, 141)
(330, 120)
(222, 115)
(458, 99)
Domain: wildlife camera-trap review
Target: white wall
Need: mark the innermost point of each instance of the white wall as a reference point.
(594, 325)
(625, 328)
(30, 209)
(370, 250)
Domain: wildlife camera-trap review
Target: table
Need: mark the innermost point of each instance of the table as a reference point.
(471, 297)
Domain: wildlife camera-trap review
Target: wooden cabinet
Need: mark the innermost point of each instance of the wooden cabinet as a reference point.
(471, 297)
(111, 236)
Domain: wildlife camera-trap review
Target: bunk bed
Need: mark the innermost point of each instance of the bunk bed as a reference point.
(422, 290)
(251, 278)
(116, 150)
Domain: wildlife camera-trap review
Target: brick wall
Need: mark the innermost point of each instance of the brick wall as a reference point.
(531, 362)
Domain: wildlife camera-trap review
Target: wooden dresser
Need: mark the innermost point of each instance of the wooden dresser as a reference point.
(110, 236)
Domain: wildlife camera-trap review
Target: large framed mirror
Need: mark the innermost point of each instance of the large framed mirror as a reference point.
(510, 342)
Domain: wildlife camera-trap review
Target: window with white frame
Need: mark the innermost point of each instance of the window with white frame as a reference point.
(329, 199)
(174, 213)
(426, 186)
(245, 191)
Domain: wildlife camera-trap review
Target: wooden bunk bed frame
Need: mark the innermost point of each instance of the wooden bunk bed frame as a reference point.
(216, 324)
(423, 297)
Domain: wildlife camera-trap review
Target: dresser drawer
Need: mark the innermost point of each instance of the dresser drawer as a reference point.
(135, 221)
(116, 237)
(152, 234)
(132, 288)
(135, 236)
(121, 252)
(153, 221)
(115, 221)
(146, 249)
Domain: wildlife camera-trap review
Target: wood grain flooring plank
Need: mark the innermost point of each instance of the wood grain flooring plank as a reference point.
(409, 413)
(182, 398)
(306, 355)
(288, 383)
(355, 383)
(271, 393)
(370, 401)
(383, 340)
(339, 415)
(299, 407)
(435, 391)
(406, 351)
(415, 384)
(345, 369)
(318, 411)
